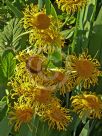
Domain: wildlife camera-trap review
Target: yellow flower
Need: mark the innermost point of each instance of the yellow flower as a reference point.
(71, 6)
(62, 80)
(28, 72)
(34, 64)
(22, 112)
(47, 41)
(43, 95)
(44, 29)
(43, 98)
(36, 19)
(87, 104)
(24, 55)
(57, 116)
(83, 69)
(22, 79)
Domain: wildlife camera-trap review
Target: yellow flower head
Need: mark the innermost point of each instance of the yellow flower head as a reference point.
(24, 55)
(28, 72)
(41, 21)
(34, 64)
(22, 112)
(70, 6)
(44, 29)
(87, 104)
(57, 117)
(62, 80)
(83, 69)
(43, 95)
(35, 19)
(33, 61)
(47, 41)
(22, 80)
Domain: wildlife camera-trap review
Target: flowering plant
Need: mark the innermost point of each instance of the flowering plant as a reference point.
(50, 68)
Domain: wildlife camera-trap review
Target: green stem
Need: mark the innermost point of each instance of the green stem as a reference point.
(21, 36)
(75, 33)
(67, 100)
(40, 4)
(91, 127)
(65, 22)
(76, 125)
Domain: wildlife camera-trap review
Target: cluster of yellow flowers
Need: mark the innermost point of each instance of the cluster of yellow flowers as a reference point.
(35, 85)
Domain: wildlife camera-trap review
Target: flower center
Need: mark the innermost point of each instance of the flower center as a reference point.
(41, 21)
(59, 76)
(43, 96)
(92, 101)
(47, 38)
(24, 115)
(84, 68)
(57, 114)
(34, 64)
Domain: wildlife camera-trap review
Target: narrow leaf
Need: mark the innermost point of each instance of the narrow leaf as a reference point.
(85, 130)
(5, 128)
(17, 12)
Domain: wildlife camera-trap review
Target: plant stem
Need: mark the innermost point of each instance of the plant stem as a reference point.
(91, 127)
(67, 100)
(76, 125)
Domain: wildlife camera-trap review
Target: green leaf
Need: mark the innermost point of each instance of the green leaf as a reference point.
(10, 38)
(39, 127)
(24, 131)
(8, 64)
(2, 78)
(95, 43)
(77, 122)
(56, 58)
(3, 82)
(40, 4)
(5, 128)
(68, 33)
(84, 22)
(3, 109)
(14, 9)
(53, 11)
(85, 130)
(50, 8)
